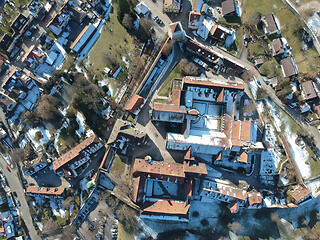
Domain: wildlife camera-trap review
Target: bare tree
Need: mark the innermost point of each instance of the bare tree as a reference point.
(49, 226)
(191, 69)
(249, 108)
(167, 49)
(69, 232)
(247, 75)
(67, 202)
(235, 227)
(110, 57)
(144, 33)
(17, 156)
(48, 108)
(127, 21)
(274, 217)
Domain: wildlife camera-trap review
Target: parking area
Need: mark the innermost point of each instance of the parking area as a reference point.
(100, 224)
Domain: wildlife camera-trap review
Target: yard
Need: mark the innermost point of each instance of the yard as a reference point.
(114, 46)
(258, 48)
(290, 29)
(165, 88)
(122, 234)
(270, 68)
(118, 166)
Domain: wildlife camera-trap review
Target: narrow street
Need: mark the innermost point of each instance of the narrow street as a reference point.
(16, 186)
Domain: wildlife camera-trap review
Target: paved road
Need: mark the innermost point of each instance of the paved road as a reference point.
(15, 185)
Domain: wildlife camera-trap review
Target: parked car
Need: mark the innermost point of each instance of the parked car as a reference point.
(15, 194)
(18, 203)
(8, 168)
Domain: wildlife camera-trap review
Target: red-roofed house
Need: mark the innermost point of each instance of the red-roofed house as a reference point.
(46, 192)
(71, 164)
(135, 103)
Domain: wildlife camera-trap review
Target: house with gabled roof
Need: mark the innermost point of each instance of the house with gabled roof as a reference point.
(45, 192)
(288, 67)
(270, 25)
(32, 57)
(308, 90)
(228, 7)
(74, 162)
(278, 47)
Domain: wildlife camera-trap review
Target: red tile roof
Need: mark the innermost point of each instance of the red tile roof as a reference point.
(206, 82)
(299, 193)
(161, 168)
(135, 102)
(167, 207)
(308, 90)
(45, 190)
(73, 153)
(233, 206)
(254, 198)
(243, 157)
(195, 168)
(174, 106)
(230, 191)
(220, 97)
(288, 67)
(245, 131)
(169, 169)
(74, 43)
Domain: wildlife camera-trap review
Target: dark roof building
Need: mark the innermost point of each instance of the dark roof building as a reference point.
(270, 25)
(19, 24)
(277, 47)
(288, 67)
(308, 90)
(228, 7)
(220, 33)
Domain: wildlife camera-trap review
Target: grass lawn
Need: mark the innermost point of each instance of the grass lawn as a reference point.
(160, 100)
(113, 44)
(239, 40)
(270, 68)
(263, 7)
(165, 88)
(123, 235)
(258, 48)
(118, 165)
(69, 62)
(290, 29)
